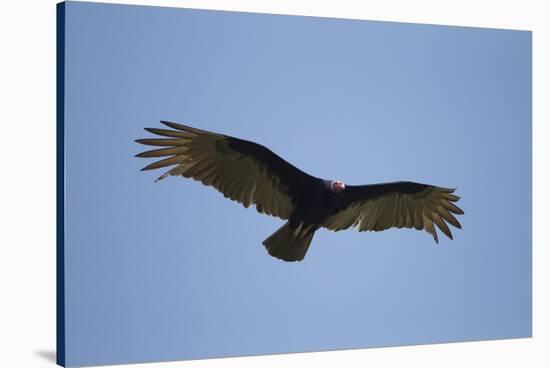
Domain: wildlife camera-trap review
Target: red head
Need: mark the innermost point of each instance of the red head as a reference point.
(337, 186)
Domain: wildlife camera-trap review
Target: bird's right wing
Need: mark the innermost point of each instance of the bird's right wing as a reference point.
(400, 204)
(241, 170)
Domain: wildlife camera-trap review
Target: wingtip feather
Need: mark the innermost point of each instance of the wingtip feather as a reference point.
(181, 127)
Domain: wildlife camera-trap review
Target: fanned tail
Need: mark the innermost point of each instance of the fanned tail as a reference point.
(289, 243)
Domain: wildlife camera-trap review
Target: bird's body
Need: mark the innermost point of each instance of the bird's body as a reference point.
(312, 208)
(251, 174)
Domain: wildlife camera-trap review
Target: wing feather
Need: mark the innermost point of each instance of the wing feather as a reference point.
(241, 170)
(400, 204)
(448, 217)
(441, 224)
(429, 226)
(451, 207)
(418, 218)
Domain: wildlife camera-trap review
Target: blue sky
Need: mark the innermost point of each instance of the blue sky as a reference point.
(173, 270)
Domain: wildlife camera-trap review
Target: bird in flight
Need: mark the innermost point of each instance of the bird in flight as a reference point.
(251, 174)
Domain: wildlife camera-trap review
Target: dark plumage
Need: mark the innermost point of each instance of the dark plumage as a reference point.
(253, 175)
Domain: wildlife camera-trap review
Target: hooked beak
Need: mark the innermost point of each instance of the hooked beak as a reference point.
(337, 186)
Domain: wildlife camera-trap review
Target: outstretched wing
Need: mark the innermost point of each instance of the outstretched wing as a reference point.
(241, 170)
(400, 204)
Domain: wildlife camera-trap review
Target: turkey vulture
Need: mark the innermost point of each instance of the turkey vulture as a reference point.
(252, 174)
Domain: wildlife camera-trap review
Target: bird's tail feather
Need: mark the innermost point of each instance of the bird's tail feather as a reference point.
(289, 243)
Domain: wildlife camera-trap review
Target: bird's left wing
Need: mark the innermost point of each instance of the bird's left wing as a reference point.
(400, 204)
(241, 170)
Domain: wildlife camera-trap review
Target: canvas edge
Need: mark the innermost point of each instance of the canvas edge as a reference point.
(60, 184)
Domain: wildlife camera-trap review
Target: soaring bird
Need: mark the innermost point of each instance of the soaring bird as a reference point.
(251, 174)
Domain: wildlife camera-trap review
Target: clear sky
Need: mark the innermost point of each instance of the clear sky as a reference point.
(173, 270)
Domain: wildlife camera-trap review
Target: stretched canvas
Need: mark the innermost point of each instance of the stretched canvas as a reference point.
(417, 135)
